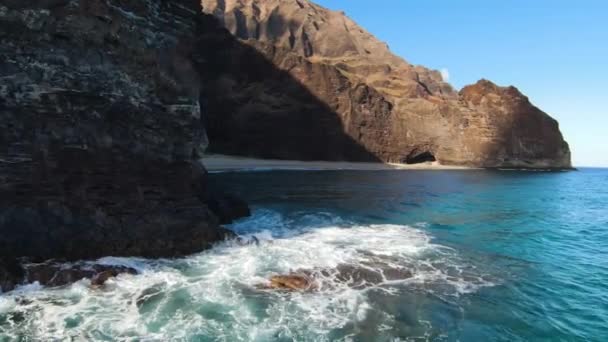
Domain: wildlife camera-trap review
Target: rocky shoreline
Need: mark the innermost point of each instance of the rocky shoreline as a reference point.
(101, 129)
(105, 108)
(54, 254)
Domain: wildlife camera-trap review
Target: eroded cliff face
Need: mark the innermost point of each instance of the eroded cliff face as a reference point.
(340, 94)
(102, 103)
(100, 129)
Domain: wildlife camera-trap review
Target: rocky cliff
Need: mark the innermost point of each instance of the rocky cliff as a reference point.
(104, 103)
(100, 131)
(315, 85)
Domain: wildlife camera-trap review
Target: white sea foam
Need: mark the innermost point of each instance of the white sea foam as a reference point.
(213, 294)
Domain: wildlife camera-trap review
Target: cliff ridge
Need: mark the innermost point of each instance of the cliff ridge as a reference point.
(394, 110)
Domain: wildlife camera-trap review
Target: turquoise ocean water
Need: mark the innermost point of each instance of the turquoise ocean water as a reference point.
(490, 256)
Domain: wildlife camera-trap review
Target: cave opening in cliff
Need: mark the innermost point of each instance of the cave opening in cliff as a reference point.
(420, 158)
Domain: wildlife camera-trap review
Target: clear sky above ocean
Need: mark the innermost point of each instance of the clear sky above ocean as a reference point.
(554, 51)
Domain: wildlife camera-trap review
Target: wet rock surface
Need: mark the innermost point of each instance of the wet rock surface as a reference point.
(55, 274)
(50, 273)
(109, 207)
(291, 282)
(11, 274)
(228, 208)
(357, 277)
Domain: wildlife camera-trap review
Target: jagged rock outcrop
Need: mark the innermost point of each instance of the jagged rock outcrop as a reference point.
(340, 94)
(51, 273)
(100, 131)
(55, 274)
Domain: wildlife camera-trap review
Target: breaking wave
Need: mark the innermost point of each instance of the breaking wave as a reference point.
(214, 296)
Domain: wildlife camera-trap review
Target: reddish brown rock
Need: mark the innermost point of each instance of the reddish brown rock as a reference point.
(326, 278)
(340, 94)
(291, 282)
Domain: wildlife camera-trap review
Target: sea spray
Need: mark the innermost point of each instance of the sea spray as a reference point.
(214, 295)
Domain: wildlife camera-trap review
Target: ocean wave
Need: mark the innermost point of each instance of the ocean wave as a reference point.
(214, 294)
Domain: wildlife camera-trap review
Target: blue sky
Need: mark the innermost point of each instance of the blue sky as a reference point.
(554, 51)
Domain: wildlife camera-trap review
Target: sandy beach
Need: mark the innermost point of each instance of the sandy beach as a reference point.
(225, 163)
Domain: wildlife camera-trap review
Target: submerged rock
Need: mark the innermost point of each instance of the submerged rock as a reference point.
(249, 241)
(150, 297)
(101, 278)
(361, 276)
(55, 274)
(355, 276)
(290, 282)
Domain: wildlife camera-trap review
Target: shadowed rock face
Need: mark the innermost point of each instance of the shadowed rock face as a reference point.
(11, 274)
(100, 130)
(391, 109)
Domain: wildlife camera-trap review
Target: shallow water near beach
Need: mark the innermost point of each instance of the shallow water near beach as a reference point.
(463, 255)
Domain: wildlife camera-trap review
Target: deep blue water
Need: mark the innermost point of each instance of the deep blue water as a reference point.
(464, 256)
(540, 238)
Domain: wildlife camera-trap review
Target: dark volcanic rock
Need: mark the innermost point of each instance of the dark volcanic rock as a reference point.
(100, 130)
(228, 208)
(57, 274)
(327, 89)
(100, 207)
(53, 274)
(357, 277)
(11, 273)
